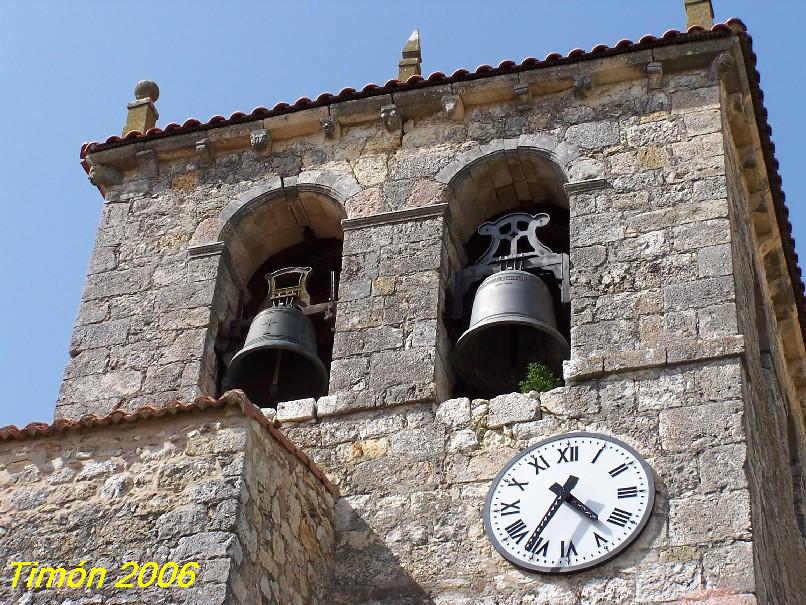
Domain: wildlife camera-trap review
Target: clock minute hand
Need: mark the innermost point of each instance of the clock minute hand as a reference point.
(555, 506)
(575, 502)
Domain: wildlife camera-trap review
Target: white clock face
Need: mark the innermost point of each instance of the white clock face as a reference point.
(569, 503)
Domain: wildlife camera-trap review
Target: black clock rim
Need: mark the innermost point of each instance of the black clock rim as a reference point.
(642, 523)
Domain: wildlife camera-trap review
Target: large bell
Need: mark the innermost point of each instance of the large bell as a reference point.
(512, 324)
(278, 361)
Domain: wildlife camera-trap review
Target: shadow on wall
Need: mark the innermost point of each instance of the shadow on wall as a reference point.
(366, 571)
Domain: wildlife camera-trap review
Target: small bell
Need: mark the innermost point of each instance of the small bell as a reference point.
(278, 361)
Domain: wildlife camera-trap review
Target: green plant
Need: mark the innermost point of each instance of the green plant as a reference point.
(538, 378)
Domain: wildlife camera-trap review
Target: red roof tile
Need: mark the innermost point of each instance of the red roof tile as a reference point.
(36, 430)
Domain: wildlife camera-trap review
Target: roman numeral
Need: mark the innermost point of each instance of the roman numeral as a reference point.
(538, 547)
(619, 517)
(599, 453)
(599, 540)
(515, 483)
(571, 549)
(618, 470)
(517, 531)
(510, 509)
(535, 463)
(568, 454)
(627, 492)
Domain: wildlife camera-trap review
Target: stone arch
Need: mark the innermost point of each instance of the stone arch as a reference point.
(504, 173)
(524, 174)
(262, 222)
(253, 226)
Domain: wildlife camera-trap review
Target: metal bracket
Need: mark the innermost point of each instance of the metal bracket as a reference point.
(513, 229)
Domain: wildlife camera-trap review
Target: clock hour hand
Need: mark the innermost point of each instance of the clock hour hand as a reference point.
(575, 502)
(570, 483)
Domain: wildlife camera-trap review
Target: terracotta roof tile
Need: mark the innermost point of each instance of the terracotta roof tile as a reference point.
(36, 430)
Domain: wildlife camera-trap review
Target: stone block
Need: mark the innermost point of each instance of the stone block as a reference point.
(730, 568)
(98, 335)
(370, 340)
(454, 413)
(111, 385)
(714, 261)
(698, 294)
(701, 234)
(115, 283)
(722, 468)
(593, 135)
(701, 426)
(662, 132)
(597, 228)
(704, 519)
(203, 441)
(297, 410)
(716, 321)
(667, 582)
(512, 408)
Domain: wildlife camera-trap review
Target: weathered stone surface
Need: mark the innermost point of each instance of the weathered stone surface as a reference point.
(274, 523)
(297, 410)
(702, 519)
(508, 409)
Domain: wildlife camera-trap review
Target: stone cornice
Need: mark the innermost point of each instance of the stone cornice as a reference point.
(522, 89)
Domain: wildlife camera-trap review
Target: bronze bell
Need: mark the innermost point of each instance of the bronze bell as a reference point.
(278, 362)
(512, 324)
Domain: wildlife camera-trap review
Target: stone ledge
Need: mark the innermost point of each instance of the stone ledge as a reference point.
(584, 186)
(211, 249)
(398, 216)
(685, 351)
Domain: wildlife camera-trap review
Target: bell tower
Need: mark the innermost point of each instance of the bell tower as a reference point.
(378, 270)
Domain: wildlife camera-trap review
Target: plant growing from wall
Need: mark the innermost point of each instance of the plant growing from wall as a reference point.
(539, 378)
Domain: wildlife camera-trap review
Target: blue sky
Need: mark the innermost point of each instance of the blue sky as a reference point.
(68, 70)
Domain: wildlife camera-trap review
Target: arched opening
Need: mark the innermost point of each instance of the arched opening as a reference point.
(276, 343)
(509, 301)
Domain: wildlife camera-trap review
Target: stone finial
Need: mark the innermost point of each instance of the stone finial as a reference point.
(700, 12)
(142, 111)
(412, 58)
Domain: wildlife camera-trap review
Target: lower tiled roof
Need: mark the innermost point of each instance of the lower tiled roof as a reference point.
(36, 430)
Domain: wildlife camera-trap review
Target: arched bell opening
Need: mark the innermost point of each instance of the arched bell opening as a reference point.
(508, 304)
(286, 259)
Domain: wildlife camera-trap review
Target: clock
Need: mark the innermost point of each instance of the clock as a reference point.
(569, 503)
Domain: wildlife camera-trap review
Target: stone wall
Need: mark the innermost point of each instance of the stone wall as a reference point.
(779, 553)
(208, 486)
(409, 527)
